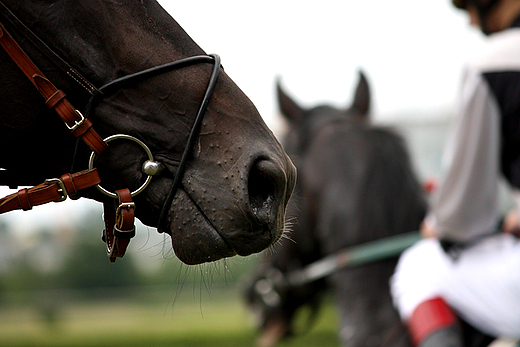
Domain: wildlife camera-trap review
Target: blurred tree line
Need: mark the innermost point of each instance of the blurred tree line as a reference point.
(75, 259)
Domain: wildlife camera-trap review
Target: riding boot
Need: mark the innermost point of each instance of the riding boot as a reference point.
(444, 337)
(433, 324)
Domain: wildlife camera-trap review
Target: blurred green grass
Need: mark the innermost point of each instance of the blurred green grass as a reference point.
(150, 316)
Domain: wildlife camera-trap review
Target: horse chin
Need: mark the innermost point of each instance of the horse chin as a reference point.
(195, 240)
(199, 230)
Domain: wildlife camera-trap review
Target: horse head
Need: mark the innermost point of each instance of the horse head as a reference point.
(274, 302)
(238, 179)
(304, 123)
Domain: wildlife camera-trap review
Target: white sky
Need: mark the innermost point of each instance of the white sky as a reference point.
(411, 50)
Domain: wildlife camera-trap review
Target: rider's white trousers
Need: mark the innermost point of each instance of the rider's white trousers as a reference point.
(482, 284)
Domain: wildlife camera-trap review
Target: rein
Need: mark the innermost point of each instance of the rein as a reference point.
(362, 254)
(275, 282)
(119, 212)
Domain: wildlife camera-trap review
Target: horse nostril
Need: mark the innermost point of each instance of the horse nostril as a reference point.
(262, 185)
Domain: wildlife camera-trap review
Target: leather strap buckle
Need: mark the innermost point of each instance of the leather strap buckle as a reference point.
(77, 123)
(125, 205)
(119, 224)
(61, 190)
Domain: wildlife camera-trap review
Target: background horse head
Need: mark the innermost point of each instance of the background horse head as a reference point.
(238, 178)
(355, 185)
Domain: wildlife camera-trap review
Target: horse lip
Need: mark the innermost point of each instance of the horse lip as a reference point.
(262, 234)
(195, 239)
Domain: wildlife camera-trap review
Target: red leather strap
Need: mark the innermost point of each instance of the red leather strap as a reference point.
(55, 99)
(119, 225)
(43, 193)
(428, 317)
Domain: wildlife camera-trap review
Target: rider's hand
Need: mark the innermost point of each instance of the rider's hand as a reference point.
(428, 228)
(511, 223)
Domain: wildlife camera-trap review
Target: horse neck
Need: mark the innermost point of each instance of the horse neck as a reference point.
(105, 39)
(365, 306)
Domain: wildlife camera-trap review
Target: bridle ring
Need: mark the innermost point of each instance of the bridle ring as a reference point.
(125, 137)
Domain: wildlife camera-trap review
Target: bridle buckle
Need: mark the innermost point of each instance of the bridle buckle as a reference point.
(61, 188)
(77, 123)
(125, 205)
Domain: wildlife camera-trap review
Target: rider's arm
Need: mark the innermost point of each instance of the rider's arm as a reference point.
(466, 204)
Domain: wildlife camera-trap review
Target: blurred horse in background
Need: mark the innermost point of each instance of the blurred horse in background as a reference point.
(355, 185)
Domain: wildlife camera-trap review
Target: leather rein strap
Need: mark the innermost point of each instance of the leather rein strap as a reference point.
(119, 224)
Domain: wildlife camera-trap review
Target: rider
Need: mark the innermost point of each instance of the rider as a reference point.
(464, 267)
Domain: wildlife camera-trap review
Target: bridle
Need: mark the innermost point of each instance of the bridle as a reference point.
(119, 212)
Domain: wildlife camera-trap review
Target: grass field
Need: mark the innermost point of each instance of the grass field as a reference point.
(150, 316)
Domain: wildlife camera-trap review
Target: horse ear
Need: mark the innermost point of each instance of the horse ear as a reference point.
(362, 96)
(290, 109)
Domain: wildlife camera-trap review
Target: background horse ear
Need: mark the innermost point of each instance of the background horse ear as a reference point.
(290, 109)
(361, 101)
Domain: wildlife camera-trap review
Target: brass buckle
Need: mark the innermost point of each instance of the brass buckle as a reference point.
(61, 188)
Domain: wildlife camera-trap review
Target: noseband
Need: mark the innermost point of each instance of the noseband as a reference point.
(119, 83)
(119, 220)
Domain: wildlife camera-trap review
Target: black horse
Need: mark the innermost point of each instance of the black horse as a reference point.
(238, 179)
(355, 185)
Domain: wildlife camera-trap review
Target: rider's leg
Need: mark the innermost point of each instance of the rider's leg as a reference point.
(433, 324)
(481, 284)
(415, 289)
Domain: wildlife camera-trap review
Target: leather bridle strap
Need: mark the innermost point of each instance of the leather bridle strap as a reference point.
(50, 190)
(117, 84)
(119, 224)
(54, 99)
(55, 58)
(192, 137)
